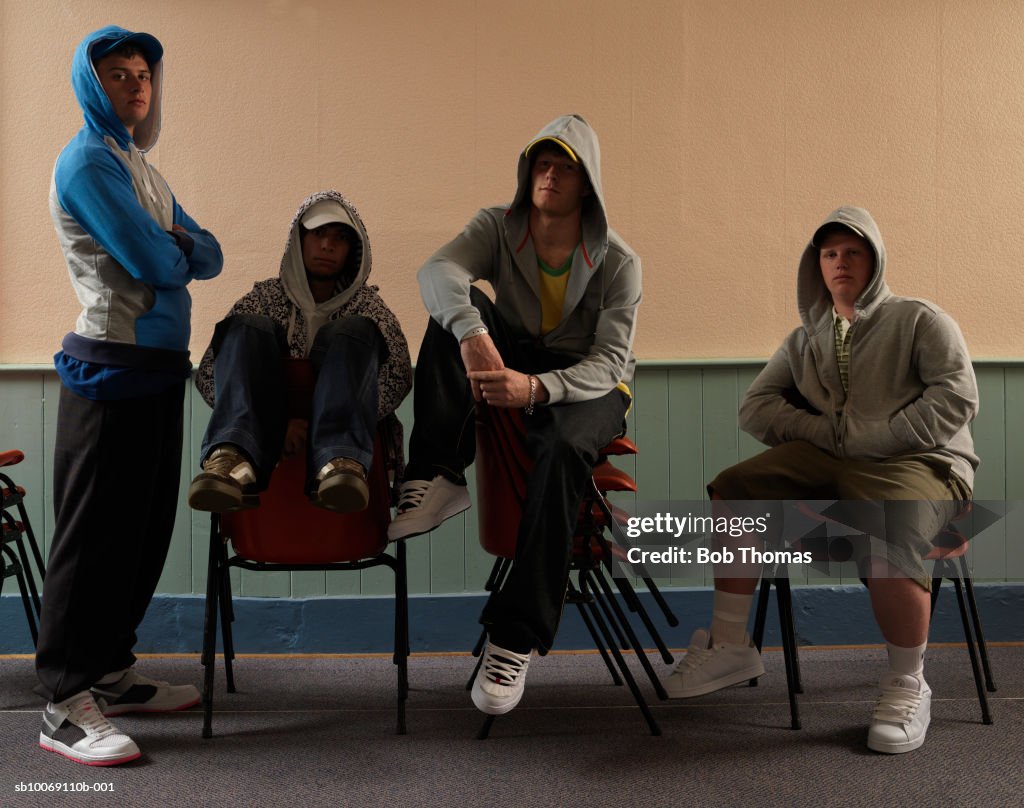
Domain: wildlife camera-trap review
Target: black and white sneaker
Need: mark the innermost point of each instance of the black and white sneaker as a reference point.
(76, 729)
(135, 693)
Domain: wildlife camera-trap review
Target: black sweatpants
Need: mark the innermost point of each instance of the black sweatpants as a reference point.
(563, 441)
(115, 492)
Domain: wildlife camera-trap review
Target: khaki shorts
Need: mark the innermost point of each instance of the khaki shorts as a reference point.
(920, 496)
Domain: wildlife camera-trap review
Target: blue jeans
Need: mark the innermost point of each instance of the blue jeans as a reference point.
(251, 396)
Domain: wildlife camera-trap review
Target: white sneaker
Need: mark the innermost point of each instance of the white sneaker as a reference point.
(135, 693)
(424, 505)
(902, 714)
(707, 668)
(500, 682)
(76, 729)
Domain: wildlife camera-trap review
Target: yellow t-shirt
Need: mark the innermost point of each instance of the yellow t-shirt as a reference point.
(553, 283)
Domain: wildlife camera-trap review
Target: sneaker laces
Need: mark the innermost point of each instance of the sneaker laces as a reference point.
(345, 465)
(229, 463)
(85, 713)
(505, 668)
(413, 492)
(897, 704)
(695, 657)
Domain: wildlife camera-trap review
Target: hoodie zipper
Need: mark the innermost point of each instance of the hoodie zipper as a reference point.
(841, 437)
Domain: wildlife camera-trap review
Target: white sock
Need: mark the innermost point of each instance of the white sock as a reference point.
(906, 660)
(729, 618)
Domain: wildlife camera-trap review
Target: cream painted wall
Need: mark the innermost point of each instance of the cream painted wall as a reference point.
(728, 129)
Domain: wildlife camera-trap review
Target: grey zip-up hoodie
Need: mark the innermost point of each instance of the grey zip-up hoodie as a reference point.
(599, 317)
(912, 389)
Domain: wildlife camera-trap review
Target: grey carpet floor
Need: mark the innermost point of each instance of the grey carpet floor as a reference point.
(320, 732)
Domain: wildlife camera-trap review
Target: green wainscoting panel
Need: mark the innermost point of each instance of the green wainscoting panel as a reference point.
(683, 420)
(1014, 458)
(990, 432)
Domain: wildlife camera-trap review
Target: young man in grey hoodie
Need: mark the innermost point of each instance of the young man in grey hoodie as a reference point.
(556, 343)
(869, 399)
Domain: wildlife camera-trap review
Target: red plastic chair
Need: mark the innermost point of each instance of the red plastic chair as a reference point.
(285, 532)
(15, 531)
(502, 468)
(949, 554)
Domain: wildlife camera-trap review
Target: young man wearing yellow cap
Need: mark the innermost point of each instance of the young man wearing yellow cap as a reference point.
(556, 343)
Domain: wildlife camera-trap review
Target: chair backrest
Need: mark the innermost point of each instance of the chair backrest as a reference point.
(287, 528)
(503, 467)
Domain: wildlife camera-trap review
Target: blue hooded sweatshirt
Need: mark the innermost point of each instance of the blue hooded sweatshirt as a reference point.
(114, 215)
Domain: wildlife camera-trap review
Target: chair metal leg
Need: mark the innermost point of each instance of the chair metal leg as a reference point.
(402, 634)
(637, 607)
(619, 661)
(615, 613)
(986, 716)
(14, 568)
(498, 573)
(782, 595)
(622, 540)
(494, 582)
(976, 620)
(209, 657)
(783, 588)
(29, 578)
(666, 610)
(227, 614)
(582, 603)
(485, 730)
(36, 553)
(761, 617)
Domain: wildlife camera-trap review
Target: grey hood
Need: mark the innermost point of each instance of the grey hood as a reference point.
(293, 271)
(572, 131)
(813, 299)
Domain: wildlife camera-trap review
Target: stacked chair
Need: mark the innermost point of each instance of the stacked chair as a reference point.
(502, 468)
(17, 532)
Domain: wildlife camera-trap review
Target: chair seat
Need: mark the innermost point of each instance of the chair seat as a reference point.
(620, 446)
(609, 478)
(11, 457)
(326, 537)
(948, 544)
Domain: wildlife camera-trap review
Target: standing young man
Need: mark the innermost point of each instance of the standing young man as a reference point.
(870, 398)
(557, 343)
(131, 251)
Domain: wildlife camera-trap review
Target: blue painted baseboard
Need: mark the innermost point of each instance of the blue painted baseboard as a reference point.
(825, 615)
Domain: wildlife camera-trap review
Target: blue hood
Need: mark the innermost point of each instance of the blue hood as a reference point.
(96, 108)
